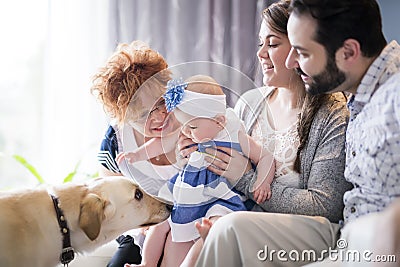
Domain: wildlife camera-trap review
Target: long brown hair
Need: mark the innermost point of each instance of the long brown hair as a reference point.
(311, 105)
(276, 16)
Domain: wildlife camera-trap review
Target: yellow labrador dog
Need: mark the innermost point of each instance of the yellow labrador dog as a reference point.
(37, 224)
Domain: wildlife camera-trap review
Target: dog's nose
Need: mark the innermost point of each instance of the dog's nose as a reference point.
(169, 207)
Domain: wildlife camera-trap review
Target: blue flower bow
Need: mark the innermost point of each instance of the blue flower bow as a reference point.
(174, 94)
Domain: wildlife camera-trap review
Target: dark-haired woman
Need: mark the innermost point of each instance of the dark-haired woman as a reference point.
(306, 134)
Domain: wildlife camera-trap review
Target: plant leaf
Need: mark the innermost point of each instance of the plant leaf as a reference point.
(72, 174)
(94, 175)
(29, 167)
(69, 177)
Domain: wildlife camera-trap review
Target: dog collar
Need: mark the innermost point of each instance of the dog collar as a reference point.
(68, 253)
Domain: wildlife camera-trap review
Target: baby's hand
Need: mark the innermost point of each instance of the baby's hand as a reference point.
(129, 156)
(120, 157)
(262, 193)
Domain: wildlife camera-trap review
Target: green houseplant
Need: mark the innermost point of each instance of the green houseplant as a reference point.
(41, 180)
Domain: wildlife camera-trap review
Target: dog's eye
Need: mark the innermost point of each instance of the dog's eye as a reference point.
(138, 194)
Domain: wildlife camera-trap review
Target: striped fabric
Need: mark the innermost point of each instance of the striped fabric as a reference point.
(109, 150)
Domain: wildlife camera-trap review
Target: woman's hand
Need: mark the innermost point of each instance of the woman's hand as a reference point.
(231, 164)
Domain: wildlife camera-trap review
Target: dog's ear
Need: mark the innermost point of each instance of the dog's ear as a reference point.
(91, 215)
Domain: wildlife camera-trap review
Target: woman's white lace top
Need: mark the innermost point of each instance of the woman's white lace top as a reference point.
(282, 144)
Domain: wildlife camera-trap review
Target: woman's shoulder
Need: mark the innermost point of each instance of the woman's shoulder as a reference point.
(110, 136)
(112, 130)
(252, 99)
(338, 98)
(256, 95)
(333, 113)
(336, 104)
(109, 150)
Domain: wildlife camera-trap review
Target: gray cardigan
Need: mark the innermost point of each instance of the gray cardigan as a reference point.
(321, 183)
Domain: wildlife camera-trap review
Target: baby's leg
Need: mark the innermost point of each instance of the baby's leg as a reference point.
(154, 244)
(175, 252)
(194, 252)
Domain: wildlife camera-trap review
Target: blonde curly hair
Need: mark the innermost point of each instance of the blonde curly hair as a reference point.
(124, 72)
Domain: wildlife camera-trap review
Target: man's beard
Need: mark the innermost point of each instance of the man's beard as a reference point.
(326, 81)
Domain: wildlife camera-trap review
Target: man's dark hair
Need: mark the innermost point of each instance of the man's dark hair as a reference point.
(338, 20)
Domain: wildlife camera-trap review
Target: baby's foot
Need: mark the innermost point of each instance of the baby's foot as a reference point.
(204, 227)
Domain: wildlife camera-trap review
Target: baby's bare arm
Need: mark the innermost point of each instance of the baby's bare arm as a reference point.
(153, 148)
(260, 156)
